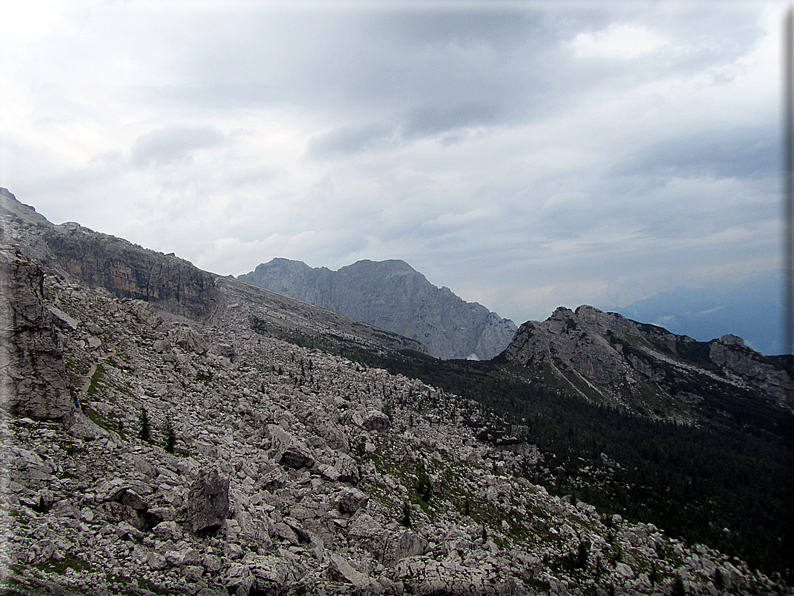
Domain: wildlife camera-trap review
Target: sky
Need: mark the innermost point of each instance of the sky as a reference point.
(526, 155)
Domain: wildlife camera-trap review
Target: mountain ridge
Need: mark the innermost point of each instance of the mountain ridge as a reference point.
(392, 295)
(171, 283)
(608, 358)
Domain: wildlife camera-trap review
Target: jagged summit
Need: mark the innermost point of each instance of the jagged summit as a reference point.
(394, 296)
(608, 358)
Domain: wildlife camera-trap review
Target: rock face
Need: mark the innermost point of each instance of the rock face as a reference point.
(393, 296)
(125, 269)
(606, 357)
(34, 381)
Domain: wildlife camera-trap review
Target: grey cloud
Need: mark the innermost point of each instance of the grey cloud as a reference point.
(737, 152)
(169, 145)
(372, 80)
(363, 61)
(351, 139)
(439, 65)
(430, 120)
(496, 27)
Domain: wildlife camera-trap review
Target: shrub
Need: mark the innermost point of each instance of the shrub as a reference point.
(423, 487)
(144, 434)
(406, 518)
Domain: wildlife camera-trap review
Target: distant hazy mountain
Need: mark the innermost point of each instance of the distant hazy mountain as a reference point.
(751, 310)
(393, 296)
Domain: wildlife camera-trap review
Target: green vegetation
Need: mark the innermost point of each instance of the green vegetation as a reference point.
(423, 487)
(60, 567)
(110, 422)
(406, 518)
(96, 377)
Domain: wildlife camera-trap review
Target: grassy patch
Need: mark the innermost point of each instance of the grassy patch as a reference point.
(152, 587)
(59, 567)
(98, 375)
(109, 423)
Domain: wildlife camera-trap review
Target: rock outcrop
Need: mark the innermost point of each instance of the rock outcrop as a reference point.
(125, 269)
(607, 358)
(208, 502)
(393, 296)
(34, 382)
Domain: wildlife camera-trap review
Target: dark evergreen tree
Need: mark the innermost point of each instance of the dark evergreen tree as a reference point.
(170, 435)
(144, 433)
(406, 518)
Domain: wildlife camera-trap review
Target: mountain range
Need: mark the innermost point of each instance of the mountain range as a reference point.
(171, 431)
(393, 296)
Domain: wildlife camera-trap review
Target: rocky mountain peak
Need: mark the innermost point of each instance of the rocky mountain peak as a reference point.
(393, 296)
(599, 354)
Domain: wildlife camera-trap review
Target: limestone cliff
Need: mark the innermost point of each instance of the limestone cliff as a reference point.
(393, 296)
(125, 269)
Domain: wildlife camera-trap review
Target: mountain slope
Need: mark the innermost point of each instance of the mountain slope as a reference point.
(391, 295)
(172, 284)
(609, 359)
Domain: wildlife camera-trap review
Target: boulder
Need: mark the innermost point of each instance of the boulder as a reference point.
(340, 570)
(161, 345)
(188, 339)
(270, 573)
(225, 350)
(624, 571)
(208, 502)
(297, 456)
(167, 530)
(351, 500)
(132, 499)
(376, 421)
(402, 545)
(347, 469)
(288, 450)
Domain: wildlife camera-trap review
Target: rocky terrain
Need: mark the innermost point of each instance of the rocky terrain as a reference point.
(609, 359)
(393, 296)
(154, 447)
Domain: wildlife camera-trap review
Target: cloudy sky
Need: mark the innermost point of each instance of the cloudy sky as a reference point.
(524, 154)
